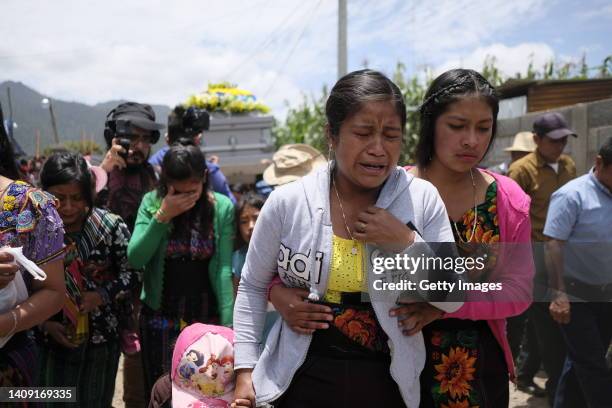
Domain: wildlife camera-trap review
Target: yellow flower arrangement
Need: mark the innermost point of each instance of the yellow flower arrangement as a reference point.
(226, 97)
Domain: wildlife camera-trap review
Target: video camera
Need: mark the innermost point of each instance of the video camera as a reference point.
(195, 121)
(121, 121)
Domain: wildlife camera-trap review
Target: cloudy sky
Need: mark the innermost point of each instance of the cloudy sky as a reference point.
(160, 51)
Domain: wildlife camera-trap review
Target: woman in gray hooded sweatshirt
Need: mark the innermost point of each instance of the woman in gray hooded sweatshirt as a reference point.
(325, 233)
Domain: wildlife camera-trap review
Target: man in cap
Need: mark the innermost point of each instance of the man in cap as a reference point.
(540, 174)
(521, 146)
(129, 131)
(579, 253)
(191, 123)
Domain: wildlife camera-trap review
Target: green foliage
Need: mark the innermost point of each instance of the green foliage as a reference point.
(556, 70)
(304, 124)
(413, 89)
(84, 146)
(491, 72)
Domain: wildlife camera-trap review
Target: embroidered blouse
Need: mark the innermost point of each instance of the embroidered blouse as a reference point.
(28, 218)
(346, 269)
(100, 252)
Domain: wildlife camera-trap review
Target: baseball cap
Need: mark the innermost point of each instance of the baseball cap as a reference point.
(292, 162)
(203, 367)
(553, 125)
(138, 114)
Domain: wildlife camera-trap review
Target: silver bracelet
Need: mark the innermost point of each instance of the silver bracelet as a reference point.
(12, 331)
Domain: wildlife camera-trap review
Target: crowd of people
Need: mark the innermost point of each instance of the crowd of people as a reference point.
(254, 295)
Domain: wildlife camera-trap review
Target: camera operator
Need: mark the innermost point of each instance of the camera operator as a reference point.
(191, 123)
(129, 131)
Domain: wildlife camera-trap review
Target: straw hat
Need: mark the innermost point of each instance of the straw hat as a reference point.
(291, 162)
(523, 142)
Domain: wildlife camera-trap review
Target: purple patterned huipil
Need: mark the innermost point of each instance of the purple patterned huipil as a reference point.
(28, 218)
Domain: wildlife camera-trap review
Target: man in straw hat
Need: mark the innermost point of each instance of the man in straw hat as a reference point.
(292, 162)
(522, 145)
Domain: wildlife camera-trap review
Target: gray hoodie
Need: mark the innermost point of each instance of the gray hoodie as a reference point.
(293, 238)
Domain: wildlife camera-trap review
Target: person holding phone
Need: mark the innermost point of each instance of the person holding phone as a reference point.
(130, 130)
(184, 237)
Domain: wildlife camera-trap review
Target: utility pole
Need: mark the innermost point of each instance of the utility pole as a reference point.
(47, 104)
(342, 48)
(37, 137)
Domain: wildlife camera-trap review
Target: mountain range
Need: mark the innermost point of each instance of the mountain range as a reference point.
(74, 120)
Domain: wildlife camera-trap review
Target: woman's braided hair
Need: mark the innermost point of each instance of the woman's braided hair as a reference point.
(443, 91)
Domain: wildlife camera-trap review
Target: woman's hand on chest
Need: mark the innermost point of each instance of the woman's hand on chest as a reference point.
(379, 227)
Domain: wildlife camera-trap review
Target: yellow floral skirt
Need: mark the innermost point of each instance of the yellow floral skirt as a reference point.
(465, 366)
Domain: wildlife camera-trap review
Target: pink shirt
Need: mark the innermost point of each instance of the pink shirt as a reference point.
(514, 269)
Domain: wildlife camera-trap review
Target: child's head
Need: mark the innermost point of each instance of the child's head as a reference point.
(246, 214)
(214, 348)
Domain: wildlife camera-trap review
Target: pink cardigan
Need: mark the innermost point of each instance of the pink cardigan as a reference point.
(515, 267)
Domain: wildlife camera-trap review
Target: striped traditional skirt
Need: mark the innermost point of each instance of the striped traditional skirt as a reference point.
(92, 368)
(18, 364)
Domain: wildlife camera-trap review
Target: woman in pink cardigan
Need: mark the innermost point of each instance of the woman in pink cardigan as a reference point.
(468, 356)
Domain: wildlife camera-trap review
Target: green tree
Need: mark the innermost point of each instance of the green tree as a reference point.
(413, 89)
(491, 72)
(304, 123)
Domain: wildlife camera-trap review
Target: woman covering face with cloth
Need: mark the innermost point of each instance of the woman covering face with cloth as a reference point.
(318, 233)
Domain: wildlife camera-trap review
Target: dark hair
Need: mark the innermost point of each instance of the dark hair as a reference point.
(182, 162)
(249, 199)
(605, 151)
(356, 88)
(199, 355)
(66, 168)
(443, 91)
(8, 167)
(241, 188)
